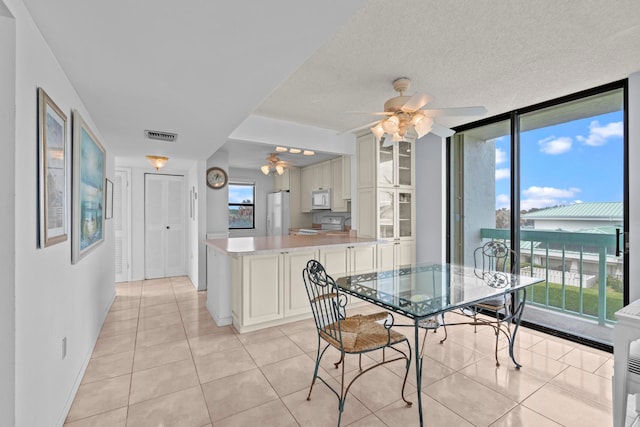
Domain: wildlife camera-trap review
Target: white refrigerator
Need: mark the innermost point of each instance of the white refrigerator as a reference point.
(278, 213)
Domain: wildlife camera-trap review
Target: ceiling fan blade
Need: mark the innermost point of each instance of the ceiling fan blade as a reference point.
(441, 131)
(416, 102)
(455, 111)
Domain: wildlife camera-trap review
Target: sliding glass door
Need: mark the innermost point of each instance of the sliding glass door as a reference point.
(557, 170)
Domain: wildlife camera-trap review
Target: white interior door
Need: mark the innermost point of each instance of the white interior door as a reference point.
(164, 226)
(121, 225)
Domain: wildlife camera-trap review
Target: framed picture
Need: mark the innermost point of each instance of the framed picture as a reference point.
(108, 199)
(88, 197)
(52, 172)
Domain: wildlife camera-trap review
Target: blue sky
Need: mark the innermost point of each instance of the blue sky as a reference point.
(239, 193)
(579, 161)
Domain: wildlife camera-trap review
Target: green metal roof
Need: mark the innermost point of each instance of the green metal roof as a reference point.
(594, 210)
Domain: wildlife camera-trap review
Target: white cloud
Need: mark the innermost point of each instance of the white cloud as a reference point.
(553, 145)
(501, 156)
(598, 135)
(503, 201)
(542, 197)
(502, 173)
(535, 191)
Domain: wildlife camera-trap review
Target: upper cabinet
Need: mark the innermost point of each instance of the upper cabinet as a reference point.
(395, 165)
(346, 177)
(386, 175)
(321, 175)
(338, 202)
(306, 186)
(329, 174)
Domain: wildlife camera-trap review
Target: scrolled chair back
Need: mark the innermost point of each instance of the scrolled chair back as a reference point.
(328, 304)
(494, 262)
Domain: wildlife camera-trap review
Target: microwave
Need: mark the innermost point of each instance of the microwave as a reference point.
(321, 199)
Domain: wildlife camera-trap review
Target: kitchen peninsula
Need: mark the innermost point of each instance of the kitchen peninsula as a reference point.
(256, 282)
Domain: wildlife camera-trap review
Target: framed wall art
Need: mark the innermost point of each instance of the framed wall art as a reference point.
(87, 218)
(52, 172)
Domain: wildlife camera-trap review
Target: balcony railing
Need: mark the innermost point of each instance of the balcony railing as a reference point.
(577, 268)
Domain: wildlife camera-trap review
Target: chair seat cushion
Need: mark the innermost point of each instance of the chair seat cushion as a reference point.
(362, 333)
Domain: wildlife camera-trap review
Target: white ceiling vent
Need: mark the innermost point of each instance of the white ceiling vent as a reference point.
(161, 136)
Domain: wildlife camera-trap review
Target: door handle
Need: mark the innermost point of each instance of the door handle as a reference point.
(619, 250)
(168, 227)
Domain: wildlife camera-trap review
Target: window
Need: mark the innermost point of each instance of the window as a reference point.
(552, 180)
(241, 206)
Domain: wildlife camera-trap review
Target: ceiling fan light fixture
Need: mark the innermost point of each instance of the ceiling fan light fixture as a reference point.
(265, 169)
(280, 169)
(390, 125)
(423, 126)
(396, 137)
(378, 131)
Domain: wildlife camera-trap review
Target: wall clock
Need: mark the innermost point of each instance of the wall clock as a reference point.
(216, 178)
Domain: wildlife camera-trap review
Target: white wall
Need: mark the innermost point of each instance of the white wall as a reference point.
(216, 200)
(7, 217)
(634, 183)
(430, 195)
(196, 228)
(53, 299)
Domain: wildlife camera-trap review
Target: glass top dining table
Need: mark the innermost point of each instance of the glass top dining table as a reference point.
(423, 291)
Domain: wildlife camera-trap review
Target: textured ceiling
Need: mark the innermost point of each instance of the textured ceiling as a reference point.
(200, 68)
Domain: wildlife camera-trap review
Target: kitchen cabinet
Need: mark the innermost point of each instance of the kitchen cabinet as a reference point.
(346, 177)
(386, 203)
(257, 282)
(342, 261)
(321, 175)
(395, 254)
(269, 287)
(296, 300)
(339, 262)
(384, 166)
(338, 203)
(262, 281)
(283, 182)
(306, 187)
(395, 214)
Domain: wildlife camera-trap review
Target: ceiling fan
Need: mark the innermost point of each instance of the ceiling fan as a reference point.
(274, 164)
(403, 112)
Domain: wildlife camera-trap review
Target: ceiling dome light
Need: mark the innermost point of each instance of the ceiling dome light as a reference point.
(308, 152)
(281, 149)
(295, 150)
(158, 161)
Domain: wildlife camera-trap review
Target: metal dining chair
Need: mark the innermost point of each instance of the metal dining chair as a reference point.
(493, 262)
(358, 334)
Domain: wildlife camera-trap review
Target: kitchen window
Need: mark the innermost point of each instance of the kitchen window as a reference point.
(241, 206)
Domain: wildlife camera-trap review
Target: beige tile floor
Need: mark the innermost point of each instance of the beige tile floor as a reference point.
(160, 360)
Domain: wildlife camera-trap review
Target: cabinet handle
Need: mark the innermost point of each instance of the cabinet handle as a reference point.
(168, 227)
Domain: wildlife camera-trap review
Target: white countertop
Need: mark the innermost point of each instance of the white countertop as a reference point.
(255, 245)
